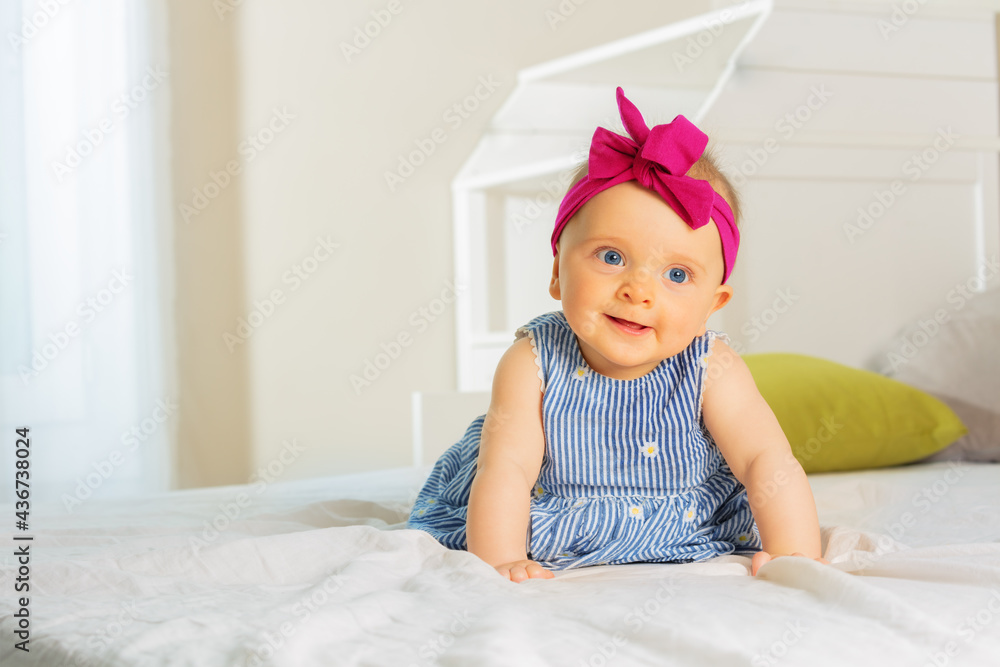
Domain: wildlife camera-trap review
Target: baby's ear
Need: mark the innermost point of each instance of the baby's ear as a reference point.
(722, 296)
(554, 288)
(723, 293)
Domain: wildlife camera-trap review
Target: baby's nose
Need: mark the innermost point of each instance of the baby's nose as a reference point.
(636, 288)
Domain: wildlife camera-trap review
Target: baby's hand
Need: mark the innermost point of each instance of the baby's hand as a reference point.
(520, 570)
(762, 557)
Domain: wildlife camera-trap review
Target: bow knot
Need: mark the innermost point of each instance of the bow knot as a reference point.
(642, 169)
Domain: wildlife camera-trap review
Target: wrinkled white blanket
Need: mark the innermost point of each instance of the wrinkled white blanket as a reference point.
(322, 572)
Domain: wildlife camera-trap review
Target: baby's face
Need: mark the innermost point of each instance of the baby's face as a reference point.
(636, 282)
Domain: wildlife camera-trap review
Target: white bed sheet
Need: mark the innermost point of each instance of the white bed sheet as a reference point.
(322, 572)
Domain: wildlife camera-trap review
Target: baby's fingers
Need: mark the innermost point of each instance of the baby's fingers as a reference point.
(759, 559)
(536, 571)
(505, 571)
(522, 570)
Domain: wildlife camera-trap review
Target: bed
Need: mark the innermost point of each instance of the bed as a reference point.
(324, 572)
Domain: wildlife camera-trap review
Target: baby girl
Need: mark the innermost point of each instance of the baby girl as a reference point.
(620, 429)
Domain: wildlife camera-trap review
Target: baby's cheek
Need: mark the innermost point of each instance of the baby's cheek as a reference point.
(588, 326)
(583, 324)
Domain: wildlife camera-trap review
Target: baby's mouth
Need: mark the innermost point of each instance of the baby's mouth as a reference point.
(628, 325)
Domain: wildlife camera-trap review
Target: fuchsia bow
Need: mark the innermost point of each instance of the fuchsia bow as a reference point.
(658, 159)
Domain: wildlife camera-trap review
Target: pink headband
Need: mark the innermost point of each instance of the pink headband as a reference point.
(658, 159)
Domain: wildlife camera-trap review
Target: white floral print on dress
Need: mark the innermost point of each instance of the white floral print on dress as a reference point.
(650, 449)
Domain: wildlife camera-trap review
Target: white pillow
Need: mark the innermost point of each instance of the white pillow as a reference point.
(954, 355)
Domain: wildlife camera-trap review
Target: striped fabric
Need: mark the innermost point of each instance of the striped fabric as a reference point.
(630, 473)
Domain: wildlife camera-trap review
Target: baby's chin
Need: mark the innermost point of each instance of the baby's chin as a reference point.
(629, 364)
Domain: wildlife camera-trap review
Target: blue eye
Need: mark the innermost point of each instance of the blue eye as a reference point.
(677, 275)
(612, 257)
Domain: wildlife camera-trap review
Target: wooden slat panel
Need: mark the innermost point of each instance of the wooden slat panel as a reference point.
(802, 40)
(571, 107)
(742, 161)
(761, 100)
(850, 292)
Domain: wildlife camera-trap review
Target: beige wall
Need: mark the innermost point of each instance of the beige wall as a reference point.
(214, 429)
(322, 175)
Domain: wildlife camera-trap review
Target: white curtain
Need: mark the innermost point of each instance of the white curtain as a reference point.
(86, 361)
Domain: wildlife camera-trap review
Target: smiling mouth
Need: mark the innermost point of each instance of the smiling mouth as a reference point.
(628, 326)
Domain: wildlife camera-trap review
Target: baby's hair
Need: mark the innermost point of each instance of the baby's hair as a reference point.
(706, 169)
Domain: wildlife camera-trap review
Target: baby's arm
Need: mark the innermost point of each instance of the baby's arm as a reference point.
(757, 451)
(510, 457)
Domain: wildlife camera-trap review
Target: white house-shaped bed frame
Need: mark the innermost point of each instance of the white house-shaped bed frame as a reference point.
(864, 142)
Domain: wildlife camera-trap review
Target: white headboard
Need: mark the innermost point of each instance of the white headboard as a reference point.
(818, 110)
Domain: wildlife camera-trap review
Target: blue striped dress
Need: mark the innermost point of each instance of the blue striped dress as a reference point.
(630, 473)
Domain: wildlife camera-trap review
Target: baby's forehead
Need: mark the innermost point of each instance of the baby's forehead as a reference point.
(652, 230)
(628, 209)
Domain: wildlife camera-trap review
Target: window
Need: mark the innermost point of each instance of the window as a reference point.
(84, 251)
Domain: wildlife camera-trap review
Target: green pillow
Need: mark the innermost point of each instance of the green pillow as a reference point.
(840, 418)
